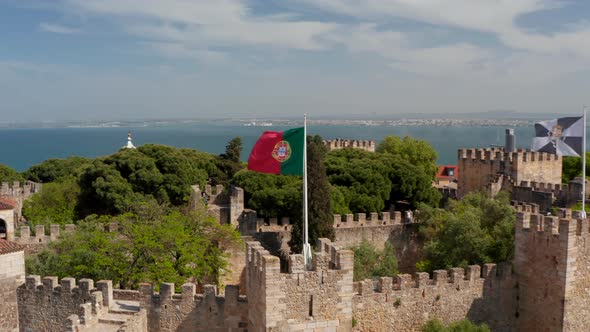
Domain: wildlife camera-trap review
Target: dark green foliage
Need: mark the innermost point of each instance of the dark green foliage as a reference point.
(411, 184)
(54, 204)
(229, 162)
(416, 152)
(8, 174)
(57, 169)
(369, 182)
(362, 177)
(271, 195)
(104, 190)
(371, 263)
(572, 167)
(464, 325)
(319, 200)
(111, 184)
(233, 150)
(152, 244)
(180, 168)
(475, 230)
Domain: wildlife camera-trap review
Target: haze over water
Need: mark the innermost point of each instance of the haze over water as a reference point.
(27, 147)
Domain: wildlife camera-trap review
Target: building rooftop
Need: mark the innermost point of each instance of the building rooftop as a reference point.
(7, 247)
(7, 204)
(447, 172)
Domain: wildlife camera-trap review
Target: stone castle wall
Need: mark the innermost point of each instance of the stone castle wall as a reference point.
(189, 311)
(49, 306)
(552, 264)
(300, 300)
(577, 305)
(337, 144)
(480, 295)
(350, 230)
(480, 167)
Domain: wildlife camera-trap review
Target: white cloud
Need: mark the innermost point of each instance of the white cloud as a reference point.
(219, 22)
(57, 28)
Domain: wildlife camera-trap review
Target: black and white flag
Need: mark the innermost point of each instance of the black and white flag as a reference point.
(561, 136)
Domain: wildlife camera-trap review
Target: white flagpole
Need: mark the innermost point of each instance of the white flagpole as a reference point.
(306, 247)
(584, 167)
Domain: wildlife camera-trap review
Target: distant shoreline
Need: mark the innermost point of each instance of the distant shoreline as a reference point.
(413, 122)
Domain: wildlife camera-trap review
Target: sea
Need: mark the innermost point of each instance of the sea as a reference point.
(25, 147)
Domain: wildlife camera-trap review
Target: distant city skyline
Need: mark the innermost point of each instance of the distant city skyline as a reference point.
(143, 59)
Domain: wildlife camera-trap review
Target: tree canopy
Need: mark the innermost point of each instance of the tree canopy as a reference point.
(572, 167)
(417, 152)
(8, 174)
(54, 204)
(55, 169)
(152, 244)
(475, 230)
(369, 182)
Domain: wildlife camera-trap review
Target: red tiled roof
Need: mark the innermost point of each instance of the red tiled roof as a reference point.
(7, 204)
(7, 247)
(443, 172)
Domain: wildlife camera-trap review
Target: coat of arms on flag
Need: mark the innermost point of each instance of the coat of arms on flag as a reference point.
(561, 136)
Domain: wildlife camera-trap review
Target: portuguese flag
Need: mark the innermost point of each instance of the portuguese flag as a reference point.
(278, 152)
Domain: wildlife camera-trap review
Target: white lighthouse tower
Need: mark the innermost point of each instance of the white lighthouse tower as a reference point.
(129, 144)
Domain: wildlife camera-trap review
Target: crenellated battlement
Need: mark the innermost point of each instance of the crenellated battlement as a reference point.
(473, 275)
(288, 299)
(494, 169)
(525, 207)
(273, 224)
(368, 220)
(40, 235)
(490, 154)
(337, 144)
(557, 227)
(85, 304)
(15, 189)
(448, 295)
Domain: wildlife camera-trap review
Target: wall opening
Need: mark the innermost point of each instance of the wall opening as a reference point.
(310, 305)
(2, 229)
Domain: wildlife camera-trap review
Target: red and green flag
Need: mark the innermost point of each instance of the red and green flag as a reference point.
(278, 152)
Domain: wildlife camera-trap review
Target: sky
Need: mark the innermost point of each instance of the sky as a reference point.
(143, 59)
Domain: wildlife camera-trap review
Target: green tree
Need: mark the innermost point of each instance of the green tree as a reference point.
(229, 163)
(57, 169)
(152, 244)
(233, 150)
(271, 195)
(8, 174)
(475, 230)
(319, 200)
(416, 152)
(434, 325)
(411, 184)
(361, 177)
(54, 204)
(572, 167)
(371, 263)
(103, 190)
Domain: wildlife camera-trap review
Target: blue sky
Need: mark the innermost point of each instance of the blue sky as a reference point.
(133, 59)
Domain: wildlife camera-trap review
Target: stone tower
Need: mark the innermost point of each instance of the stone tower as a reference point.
(552, 264)
(12, 275)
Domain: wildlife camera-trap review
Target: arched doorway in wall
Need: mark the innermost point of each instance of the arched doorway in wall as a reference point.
(2, 229)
